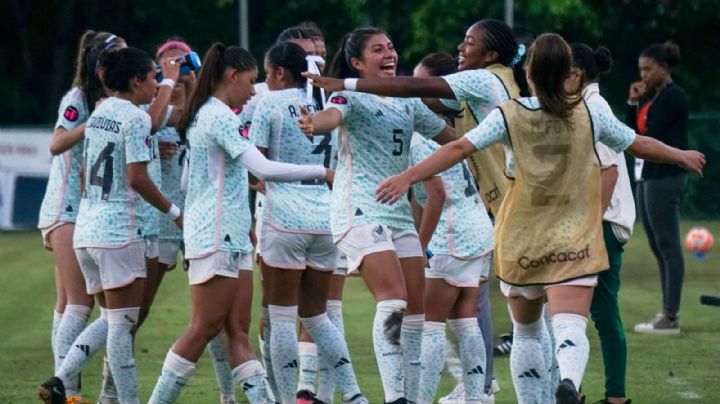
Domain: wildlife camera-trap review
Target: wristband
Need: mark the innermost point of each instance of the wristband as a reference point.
(174, 212)
(350, 84)
(168, 82)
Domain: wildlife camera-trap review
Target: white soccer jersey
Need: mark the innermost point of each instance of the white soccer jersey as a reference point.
(117, 134)
(62, 195)
(217, 215)
(302, 206)
(481, 89)
(464, 230)
(171, 170)
(374, 143)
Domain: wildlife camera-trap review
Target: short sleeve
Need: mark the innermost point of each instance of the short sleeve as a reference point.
(490, 131)
(419, 150)
(608, 158)
(261, 123)
(452, 104)
(609, 130)
(138, 146)
(426, 122)
(472, 85)
(72, 111)
(341, 102)
(229, 133)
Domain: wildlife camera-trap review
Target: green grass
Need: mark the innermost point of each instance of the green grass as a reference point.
(660, 369)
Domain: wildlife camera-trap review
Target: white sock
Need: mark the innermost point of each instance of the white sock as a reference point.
(334, 311)
(308, 355)
(57, 317)
(452, 361)
(572, 346)
(431, 360)
(108, 389)
(527, 362)
(549, 351)
(265, 350)
(411, 343)
(121, 325)
(92, 338)
(331, 344)
(387, 353)
(251, 376)
(284, 351)
(72, 324)
(175, 374)
(223, 372)
(472, 355)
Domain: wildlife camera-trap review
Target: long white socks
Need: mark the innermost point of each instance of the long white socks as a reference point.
(251, 377)
(284, 351)
(411, 338)
(472, 355)
(572, 348)
(528, 364)
(92, 338)
(69, 328)
(121, 325)
(175, 374)
(431, 359)
(388, 354)
(308, 366)
(223, 372)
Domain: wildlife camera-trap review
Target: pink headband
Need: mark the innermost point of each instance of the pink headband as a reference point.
(173, 45)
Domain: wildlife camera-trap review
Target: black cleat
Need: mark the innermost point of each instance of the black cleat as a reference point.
(52, 391)
(400, 400)
(566, 393)
(504, 347)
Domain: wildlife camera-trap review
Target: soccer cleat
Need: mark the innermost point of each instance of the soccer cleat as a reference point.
(108, 400)
(659, 325)
(505, 345)
(227, 399)
(52, 391)
(400, 400)
(605, 401)
(456, 396)
(305, 397)
(495, 386)
(566, 393)
(358, 398)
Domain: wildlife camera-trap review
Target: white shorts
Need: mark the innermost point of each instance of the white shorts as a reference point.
(461, 273)
(532, 292)
(46, 233)
(152, 247)
(111, 268)
(367, 239)
(167, 252)
(341, 268)
(287, 250)
(219, 263)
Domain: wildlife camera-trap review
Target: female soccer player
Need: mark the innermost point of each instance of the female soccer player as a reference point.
(299, 255)
(60, 205)
(618, 208)
(379, 241)
(108, 240)
(216, 236)
(548, 238)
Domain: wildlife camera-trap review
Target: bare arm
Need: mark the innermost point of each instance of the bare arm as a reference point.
(433, 209)
(446, 136)
(651, 149)
(427, 87)
(323, 121)
(64, 140)
(140, 181)
(393, 188)
(158, 108)
(609, 178)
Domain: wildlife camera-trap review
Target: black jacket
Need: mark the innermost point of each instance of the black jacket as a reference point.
(667, 120)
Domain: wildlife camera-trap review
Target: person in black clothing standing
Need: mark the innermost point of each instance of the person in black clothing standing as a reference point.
(659, 108)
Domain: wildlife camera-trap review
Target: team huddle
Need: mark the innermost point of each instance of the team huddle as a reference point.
(420, 184)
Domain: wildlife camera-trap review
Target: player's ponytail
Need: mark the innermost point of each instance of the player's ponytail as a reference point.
(91, 47)
(217, 59)
(351, 48)
(593, 63)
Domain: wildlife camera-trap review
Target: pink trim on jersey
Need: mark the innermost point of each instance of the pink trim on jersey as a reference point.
(131, 205)
(346, 146)
(221, 193)
(203, 255)
(68, 165)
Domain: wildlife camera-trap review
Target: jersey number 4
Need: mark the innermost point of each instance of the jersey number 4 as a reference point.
(107, 178)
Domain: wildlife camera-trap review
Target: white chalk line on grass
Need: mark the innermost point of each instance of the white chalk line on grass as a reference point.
(678, 381)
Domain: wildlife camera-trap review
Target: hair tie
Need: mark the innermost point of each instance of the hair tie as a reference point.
(109, 44)
(170, 45)
(519, 55)
(312, 67)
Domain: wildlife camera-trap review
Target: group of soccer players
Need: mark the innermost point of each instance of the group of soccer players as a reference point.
(354, 180)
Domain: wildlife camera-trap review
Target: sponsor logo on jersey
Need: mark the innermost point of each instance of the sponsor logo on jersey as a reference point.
(579, 255)
(71, 113)
(339, 99)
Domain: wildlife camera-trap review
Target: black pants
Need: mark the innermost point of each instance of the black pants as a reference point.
(658, 207)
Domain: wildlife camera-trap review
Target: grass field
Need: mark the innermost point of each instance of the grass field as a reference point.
(660, 369)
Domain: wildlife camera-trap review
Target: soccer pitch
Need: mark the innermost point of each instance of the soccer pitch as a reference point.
(661, 369)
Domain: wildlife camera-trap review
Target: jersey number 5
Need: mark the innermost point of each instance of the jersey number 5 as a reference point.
(106, 180)
(398, 150)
